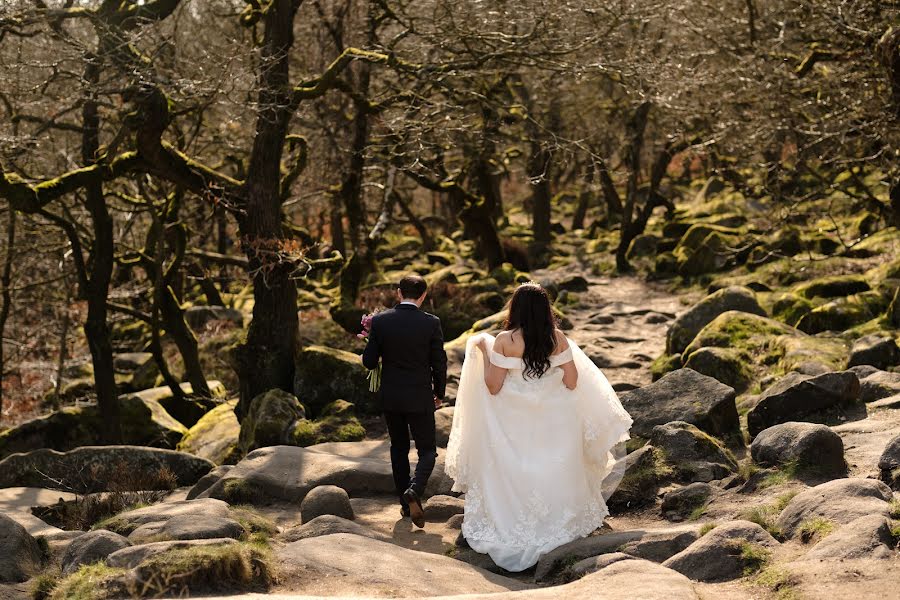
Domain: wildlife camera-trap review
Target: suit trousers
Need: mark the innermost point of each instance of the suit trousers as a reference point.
(400, 426)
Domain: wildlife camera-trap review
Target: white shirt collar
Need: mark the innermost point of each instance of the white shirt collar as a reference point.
(410, 302)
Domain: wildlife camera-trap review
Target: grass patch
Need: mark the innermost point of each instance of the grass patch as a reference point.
(815, 529)
(765, 515)
(707, 527)
(894, 510)
(240, 491)
(780, 581)
(42, 585)
(698, 512)
(224, 568)
(258, 527)
(92, 582)
(754, 557)
(784, 474)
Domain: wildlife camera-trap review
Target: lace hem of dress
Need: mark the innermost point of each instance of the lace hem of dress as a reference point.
(535, 514)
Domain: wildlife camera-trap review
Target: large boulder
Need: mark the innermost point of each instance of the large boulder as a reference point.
(683, 395)
(808, 445)
(686, 502)
(131, 557)
(91, 547)
(842, 313)
(692, 454)
(125, 523)
(326, 500)
(288, 473)
(337, 422)
(144, 423)
(215, 436)
(704, 249)
(726, 365)
(727, 552)
(799, 397)
(327, 525)
(324, 375)
(443, 423)
(270, 420)
(875, 384)
(441, 508)
(20, 555)
(95, 468)
(656, 545)
(645, 471)
(876, 350)
(682, 332)
(366, 567)
(839, 501)
(192, 526)
(866, 537)
(889, 463)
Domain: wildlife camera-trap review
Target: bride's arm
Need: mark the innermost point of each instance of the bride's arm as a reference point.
(570, 373)
(494, 376)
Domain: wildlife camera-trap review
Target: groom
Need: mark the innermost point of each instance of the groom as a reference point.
(410, 344)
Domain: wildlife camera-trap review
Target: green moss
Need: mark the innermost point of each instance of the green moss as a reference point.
(215, 435)
(271, 415)
(843, 313)
(780, 581)
(727, 365)
(663, 364)
(324, 375)
(91, 582)
(791, 307)
(337, 423)
(43, 585)
(253, 522)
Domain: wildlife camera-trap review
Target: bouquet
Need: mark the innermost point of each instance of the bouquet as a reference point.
(374, 375)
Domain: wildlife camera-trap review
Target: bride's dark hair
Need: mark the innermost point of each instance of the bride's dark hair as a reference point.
(530, 313)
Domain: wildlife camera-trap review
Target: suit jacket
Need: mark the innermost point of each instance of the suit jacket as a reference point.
(410, 344)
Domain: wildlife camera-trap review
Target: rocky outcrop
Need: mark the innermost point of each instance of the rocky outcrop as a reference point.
(807, 445)
(337, 422)
(727, 552)
(92, 468)
(127, 522)
(327, 525)
(20, 555)
(866, 537)
(215, 436)
(686, 502)
(193, 526)
(876, 350)
(365, 566)
(270, 420)
(688, 325)
(839, 501)
(645, 471)
(889, 463)
(91, 547)
(441, 508)
(683, 395)
(326, 500)
(692, 454)
(131, 557)
(324, 375)
(799, 397)
(289, 473)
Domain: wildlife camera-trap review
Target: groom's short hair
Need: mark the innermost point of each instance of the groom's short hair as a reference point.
(412, 286)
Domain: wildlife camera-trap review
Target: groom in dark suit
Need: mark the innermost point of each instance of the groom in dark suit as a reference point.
(410, 344)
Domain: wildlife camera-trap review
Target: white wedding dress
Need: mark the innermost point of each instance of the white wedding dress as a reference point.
(537, 461)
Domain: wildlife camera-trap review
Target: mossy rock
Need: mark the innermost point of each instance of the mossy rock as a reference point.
(724, 364)
(843, 313)
(144, 423)
(325, 374)
(270, 420)
(507, 275)
(833, 287)
(645, 472)
(791, 307)
(642, 245)
(688, 325)
(336, 423)
(704, 249)
(666, 264)
(215, 436)
(665, 363)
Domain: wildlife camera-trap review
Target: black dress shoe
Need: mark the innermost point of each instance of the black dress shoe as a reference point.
(416, 512)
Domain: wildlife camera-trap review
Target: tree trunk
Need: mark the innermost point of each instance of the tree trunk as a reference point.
(266, 360)
(478, 219)
(636, 126)
(584, 197)
(6, 285)
(538, 167)
(96, 328)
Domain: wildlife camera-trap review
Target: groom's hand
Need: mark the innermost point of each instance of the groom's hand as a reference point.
(438, 403)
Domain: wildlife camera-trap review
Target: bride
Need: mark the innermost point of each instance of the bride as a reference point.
(537, 439)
